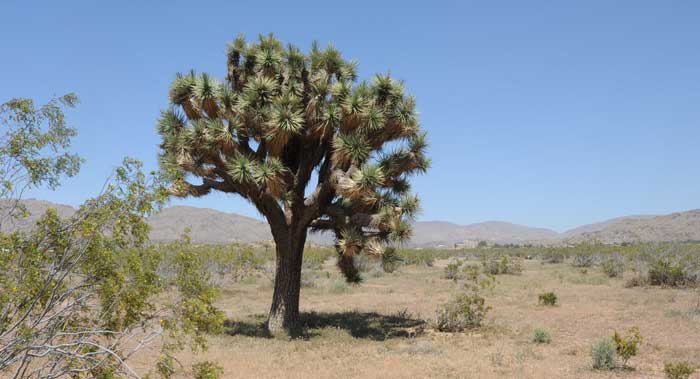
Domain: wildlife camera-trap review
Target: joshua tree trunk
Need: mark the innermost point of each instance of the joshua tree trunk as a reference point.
(284, 313)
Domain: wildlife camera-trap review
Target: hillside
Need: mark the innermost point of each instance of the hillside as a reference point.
(680, 226)
(212, 226)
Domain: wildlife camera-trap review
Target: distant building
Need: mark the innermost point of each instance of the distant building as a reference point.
(467, 244)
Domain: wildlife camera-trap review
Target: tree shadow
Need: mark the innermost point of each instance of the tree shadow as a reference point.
(368, 325)
(365, 325)
(249, 328)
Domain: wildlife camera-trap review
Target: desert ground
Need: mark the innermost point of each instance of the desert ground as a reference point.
(382, 328)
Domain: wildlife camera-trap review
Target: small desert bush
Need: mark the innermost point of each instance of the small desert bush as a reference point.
(603, 354)
(547, 298)
(467, 309)
(540, 335)
(678, 370)
(504, 264)
(464, 311)
(627, 346)
(453, 270)
(613, 266)
(207, 370)
(583, 259)
(669, 271)
(553, 256)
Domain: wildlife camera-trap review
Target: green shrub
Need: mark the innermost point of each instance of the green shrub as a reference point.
(627, 346)
(613, 267)
(678, 370)
(206, 370)
(452, 270)
(667, 271)
(603, 354)
(464, 311)
(553, 256)
(504, 264)
(548, 298)
(540, 335)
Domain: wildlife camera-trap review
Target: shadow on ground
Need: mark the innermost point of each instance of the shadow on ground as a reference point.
(367, 325)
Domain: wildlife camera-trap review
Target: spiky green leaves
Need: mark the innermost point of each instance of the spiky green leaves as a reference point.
(259, 91)
(373, 119)
(182, 87)
(242, 169)
(350, 149)
(410, 206)
(269, 176)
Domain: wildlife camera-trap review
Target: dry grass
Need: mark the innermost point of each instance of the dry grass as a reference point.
(374, 330)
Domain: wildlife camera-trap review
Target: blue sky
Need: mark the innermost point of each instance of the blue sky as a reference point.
(544, 113)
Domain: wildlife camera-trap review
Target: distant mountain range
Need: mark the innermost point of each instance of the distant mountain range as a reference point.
(212, 226)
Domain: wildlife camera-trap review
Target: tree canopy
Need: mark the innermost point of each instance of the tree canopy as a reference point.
(281, 116)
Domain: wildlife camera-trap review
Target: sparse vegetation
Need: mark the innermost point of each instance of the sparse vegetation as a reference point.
(504, 264)
(627, 346)
(467, 309)
(206, 370)
(613, 266)
(603, 353)
(453, 270)
(678, 370)
(547, 298)
(541, 335)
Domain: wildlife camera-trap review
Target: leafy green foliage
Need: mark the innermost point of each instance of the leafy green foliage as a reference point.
(627, 346)
(548, 298)
(96, 271)
(33, 148)
(206, 370)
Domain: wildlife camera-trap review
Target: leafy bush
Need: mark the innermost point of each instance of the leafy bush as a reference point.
(504, 264)
(548, 298)
(678, 370)
(613, 266)
(206, 370)
(627, 346)
(453, 270)
(603, 354)
(540, 335)
(466, 310)
(667, 271)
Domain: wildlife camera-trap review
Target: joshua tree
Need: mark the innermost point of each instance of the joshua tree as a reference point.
(281, 120)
